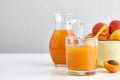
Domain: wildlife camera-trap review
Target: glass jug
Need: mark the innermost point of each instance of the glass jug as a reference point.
(63, 23)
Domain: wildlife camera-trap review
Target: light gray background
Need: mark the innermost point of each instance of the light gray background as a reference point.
(27, 25)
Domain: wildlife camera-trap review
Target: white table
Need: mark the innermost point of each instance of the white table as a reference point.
(37, 66)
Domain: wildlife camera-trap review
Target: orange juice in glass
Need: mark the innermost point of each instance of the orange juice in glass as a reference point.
(81, 58)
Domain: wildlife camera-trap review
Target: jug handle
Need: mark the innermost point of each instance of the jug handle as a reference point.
(80, 27)
(81, 32)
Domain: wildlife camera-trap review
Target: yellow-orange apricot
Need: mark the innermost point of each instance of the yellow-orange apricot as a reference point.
(111, 67)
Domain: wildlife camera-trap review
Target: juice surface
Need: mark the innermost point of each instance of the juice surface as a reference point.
(81, 57)
(57, 45)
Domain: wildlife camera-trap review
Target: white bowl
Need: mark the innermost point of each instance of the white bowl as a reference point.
(108, 50)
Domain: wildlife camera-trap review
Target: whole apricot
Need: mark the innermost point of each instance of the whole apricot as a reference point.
(98, 26)
(112, 66)
(102, 37)
(114, 25)
(115, 35)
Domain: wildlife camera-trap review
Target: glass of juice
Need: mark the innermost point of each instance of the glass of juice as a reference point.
(81, 55)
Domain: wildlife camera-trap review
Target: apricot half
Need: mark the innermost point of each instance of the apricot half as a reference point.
(112, 66)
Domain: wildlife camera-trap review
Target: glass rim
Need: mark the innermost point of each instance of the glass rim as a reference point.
(77, 37)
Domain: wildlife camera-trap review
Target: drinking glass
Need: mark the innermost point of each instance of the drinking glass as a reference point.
(81, 55)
